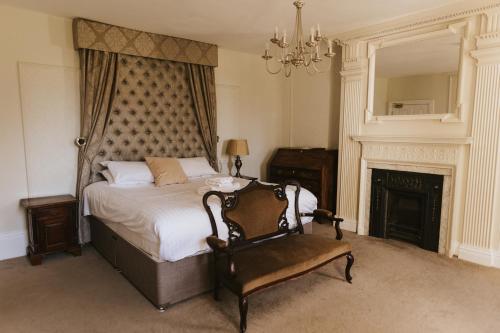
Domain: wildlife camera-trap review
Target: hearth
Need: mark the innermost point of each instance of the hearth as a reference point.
(406, 206)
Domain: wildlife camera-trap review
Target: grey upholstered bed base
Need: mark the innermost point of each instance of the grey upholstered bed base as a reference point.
(163, 283)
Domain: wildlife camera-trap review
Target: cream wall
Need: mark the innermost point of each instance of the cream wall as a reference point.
(252, 107)
(26, 37)
(315, 107)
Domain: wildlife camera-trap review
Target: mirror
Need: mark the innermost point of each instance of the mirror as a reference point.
(418, 77)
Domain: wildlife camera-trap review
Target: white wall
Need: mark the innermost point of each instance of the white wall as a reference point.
(315, 107)
(250, 105)
(26, 37)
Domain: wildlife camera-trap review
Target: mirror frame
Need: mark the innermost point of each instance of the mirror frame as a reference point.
(462, 28)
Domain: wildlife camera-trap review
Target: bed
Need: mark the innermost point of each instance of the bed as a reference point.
(156, 235)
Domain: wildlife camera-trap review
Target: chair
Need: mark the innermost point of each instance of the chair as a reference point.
(261, 249)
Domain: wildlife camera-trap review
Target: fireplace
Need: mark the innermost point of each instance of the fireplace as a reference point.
(406, 206)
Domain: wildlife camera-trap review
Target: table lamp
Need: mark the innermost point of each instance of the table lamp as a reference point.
(237, 147)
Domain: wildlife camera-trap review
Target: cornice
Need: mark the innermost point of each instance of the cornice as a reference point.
(417, 21)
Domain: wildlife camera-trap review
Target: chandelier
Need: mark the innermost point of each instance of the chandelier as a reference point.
(298, 52)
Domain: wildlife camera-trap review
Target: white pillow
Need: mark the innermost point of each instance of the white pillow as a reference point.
(196, 167)
(130, 172)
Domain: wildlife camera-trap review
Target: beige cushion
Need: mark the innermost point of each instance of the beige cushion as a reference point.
(166, 170)
(280, 259)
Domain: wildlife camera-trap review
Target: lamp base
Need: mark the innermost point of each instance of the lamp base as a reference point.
(238, 165)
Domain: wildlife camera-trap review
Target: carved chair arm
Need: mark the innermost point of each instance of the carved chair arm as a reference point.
(320, 215)
(218, 245)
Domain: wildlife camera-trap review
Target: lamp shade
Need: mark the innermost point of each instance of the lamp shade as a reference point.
(237, 147)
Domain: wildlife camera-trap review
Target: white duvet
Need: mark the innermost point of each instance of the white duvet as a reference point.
(168, 222)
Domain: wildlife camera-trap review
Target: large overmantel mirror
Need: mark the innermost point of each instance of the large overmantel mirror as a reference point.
(418, 75)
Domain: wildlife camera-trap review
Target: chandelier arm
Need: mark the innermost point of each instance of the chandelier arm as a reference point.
(311, 70)
(273, 72)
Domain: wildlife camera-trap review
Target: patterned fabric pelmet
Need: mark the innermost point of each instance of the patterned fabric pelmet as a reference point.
(152, 113)
(110, 38)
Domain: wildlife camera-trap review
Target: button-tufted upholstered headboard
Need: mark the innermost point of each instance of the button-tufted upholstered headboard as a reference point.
(152, 113)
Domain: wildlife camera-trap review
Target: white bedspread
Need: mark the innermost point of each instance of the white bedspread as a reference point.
(171, 217)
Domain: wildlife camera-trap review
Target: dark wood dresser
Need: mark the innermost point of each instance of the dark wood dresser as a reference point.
(315, 169)
(52, 226)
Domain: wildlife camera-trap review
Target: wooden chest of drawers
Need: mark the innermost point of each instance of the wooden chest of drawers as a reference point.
(52, 226)
(315, 169)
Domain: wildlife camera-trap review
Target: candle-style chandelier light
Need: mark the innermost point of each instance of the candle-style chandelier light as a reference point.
(298, 52)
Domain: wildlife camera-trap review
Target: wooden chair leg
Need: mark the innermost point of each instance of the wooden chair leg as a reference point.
(338, 230)
(350, 261)
(243, 313)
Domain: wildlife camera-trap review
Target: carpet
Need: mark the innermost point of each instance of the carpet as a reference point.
(397, 287)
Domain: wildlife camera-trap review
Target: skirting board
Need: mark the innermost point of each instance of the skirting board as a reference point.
(13, 244)
(479, 256)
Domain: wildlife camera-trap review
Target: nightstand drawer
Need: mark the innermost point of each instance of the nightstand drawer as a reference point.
(61, 212)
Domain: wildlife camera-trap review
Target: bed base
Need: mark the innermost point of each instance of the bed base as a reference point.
(162, 283)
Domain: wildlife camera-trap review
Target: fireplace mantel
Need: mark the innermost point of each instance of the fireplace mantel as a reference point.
(430, 140)
(443, 155)
(466, 152)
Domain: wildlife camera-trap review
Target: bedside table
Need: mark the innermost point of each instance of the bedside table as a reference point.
(52, 226)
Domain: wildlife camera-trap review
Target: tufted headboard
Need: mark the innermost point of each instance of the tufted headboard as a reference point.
(152, 114)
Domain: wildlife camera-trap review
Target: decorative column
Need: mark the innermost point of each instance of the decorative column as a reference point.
(482, 209)
(352, 108)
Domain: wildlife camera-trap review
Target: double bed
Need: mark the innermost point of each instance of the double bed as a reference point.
(156, 235)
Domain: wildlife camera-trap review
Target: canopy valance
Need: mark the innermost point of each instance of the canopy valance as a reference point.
(110, 38)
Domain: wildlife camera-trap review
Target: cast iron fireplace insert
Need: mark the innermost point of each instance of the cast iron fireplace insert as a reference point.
(406, 206)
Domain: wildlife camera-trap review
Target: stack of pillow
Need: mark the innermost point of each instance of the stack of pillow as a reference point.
(160, 170)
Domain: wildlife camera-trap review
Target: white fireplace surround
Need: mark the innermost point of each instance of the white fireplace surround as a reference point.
(424, 155)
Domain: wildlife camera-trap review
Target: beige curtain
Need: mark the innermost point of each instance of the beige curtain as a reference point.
(98, 72)
(202, 85)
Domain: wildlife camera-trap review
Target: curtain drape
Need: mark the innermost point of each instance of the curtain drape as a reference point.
(202, 85)
(99, 71)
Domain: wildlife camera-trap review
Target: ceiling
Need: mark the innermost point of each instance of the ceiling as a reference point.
(430, 56)
(242, 25)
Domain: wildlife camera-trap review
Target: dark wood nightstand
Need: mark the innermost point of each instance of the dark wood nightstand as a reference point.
(52, 226)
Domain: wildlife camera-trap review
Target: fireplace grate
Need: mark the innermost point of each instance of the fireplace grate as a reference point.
(406, 206)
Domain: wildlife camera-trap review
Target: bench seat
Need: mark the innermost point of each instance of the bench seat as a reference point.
(261, 249)
(279, 259)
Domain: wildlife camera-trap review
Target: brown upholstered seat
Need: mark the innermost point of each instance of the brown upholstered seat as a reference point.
(279, 259)
(253, 258)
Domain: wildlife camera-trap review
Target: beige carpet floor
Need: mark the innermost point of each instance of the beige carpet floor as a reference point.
(396, 288)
